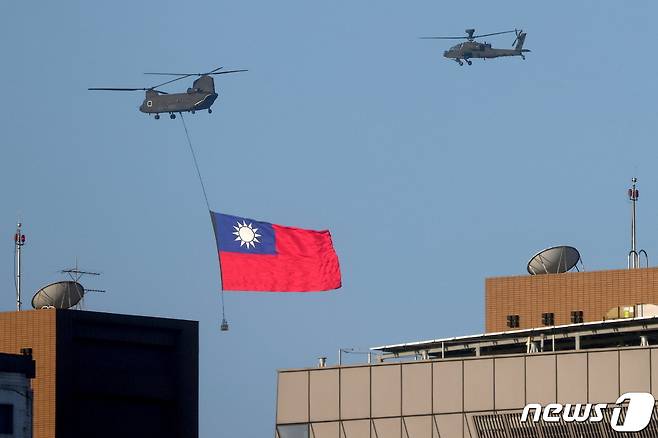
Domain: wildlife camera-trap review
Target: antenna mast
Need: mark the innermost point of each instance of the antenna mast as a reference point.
(634, 254)
(19, 241)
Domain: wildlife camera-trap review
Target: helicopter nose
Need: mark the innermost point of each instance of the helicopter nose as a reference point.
(445, 54)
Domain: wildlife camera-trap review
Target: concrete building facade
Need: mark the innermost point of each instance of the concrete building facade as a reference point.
(461, 397)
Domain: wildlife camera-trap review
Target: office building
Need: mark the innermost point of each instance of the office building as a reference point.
(477, 386)
(107, 375)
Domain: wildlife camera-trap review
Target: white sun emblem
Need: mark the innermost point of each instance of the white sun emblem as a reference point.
(246, 234)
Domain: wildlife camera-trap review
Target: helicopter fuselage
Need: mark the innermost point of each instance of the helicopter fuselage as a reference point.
(474, 49)
(193, 100)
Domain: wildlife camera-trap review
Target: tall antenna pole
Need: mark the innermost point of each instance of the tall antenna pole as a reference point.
(19, 241)
(633, 195)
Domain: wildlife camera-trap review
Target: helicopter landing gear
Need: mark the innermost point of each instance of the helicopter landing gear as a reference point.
(157, 117)
(459, 61)
(172, 116)
(523, 57)
(469, 62)
(192, 111)
(209, 111)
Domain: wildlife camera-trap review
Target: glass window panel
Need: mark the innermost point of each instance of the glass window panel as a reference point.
(6, 419)
(293, 431)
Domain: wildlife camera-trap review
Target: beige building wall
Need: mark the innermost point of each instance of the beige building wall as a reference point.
(437, 399)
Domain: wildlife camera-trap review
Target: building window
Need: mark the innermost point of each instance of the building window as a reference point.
(293, 431)
(513, 321)
(577, 316)
(548, 318)
(6, 419)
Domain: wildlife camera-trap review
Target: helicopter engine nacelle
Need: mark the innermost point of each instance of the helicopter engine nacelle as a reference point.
(204, 84)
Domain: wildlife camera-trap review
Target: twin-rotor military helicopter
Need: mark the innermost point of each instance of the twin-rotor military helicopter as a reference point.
(473, 49)
(199, 97)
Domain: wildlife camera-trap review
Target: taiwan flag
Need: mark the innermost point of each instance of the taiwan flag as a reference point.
(259, 256)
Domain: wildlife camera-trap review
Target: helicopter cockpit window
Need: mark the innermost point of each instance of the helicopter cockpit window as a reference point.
(190, 90)
(149, 103)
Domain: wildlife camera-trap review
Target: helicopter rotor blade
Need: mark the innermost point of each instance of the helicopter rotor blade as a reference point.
(170, 74)
(170, 81)
(212, 72)
(227, 71)
(185, 74)
(495, 33)
(117, 89)
(469, 37)
(443, 38)
(180, 76)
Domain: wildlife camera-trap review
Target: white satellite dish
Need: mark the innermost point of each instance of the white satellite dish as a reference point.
(554, 260)
(60, 295)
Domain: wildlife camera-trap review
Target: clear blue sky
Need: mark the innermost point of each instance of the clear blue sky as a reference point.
(430, 176)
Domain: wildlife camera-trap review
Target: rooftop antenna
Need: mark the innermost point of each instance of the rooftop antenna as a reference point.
(633, 254)
(75, 274)
(19, 241)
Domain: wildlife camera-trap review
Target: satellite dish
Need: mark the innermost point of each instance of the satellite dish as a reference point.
(60, 295)
(554, 260)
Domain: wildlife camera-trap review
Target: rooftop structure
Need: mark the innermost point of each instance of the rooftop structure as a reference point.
(558, 299)
(618, 333)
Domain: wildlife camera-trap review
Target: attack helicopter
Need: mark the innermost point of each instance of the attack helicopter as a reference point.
(474, 49)
(198, 97)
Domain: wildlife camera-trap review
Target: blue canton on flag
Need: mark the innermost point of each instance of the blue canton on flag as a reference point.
(243, 235)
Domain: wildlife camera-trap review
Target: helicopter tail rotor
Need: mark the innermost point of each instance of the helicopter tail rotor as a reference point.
(519, 40)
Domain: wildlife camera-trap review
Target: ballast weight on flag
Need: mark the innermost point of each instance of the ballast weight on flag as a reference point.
(260, 256)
